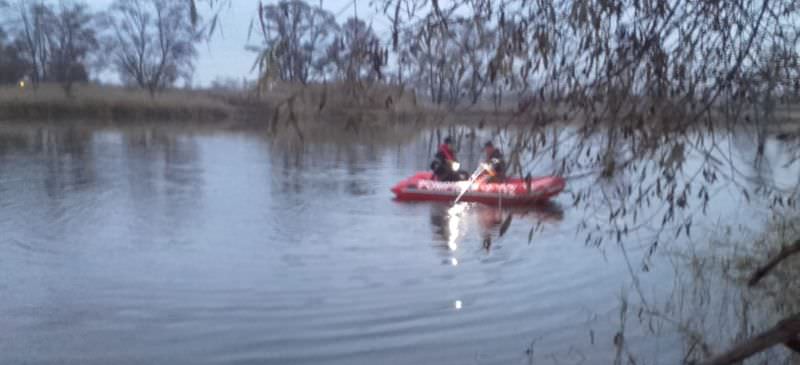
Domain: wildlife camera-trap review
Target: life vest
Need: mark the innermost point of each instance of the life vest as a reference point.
(495, 160)
(448, 154)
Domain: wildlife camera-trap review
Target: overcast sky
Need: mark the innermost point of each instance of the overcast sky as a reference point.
(225, 56)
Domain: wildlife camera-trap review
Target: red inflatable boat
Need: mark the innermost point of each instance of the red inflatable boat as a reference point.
(512, 191)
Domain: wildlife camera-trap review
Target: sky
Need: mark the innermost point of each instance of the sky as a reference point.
(224, 56)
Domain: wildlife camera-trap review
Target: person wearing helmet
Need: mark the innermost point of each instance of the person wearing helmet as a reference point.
(494, 163)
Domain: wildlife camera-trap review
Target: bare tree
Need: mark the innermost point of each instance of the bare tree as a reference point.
(72, 40)
(295, 36)
(12, 66)
(431, 52)
(450, 64)
(475, 40)
(152, 42)
(35, 23)
(357, 53)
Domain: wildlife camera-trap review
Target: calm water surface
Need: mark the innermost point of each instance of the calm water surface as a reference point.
(161, 247)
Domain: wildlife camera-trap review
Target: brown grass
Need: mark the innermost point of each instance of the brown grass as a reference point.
(327, 111)
(108, 103)
(305, 111)
(340, 110)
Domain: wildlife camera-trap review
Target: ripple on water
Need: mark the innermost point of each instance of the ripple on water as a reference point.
(219, 249)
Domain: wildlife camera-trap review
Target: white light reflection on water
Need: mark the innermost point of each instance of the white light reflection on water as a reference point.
(455, 215)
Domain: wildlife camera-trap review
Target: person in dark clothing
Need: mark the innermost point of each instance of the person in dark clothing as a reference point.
(445, 166)
(494, 162)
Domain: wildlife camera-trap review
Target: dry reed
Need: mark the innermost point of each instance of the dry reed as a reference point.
(107, 103)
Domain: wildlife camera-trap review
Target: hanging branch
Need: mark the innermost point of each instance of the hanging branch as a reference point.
(786, 332)
(785, 253)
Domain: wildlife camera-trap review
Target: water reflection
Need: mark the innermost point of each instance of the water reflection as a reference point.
(451, 223)
(326, 167)
(12, 142)
(163, 166)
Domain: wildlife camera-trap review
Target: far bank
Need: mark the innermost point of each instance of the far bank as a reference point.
(282, 108)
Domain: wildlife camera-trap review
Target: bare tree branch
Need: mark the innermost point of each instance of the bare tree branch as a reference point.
(786, 252)
(785, 331)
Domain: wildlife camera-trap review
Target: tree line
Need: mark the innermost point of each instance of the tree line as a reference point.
(299, 42)
(574, 52)
(148, 43)
(577, 52)
(303, 43)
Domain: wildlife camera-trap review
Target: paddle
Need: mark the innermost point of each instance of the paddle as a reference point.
(471, 181)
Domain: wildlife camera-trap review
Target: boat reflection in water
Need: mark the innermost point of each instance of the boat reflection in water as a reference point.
(453, 224)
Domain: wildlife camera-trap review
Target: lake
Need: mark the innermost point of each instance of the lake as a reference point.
(168, 246)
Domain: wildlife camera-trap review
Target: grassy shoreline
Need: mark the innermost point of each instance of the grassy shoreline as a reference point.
(106, 103)
(309, 106)
(307, 112)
